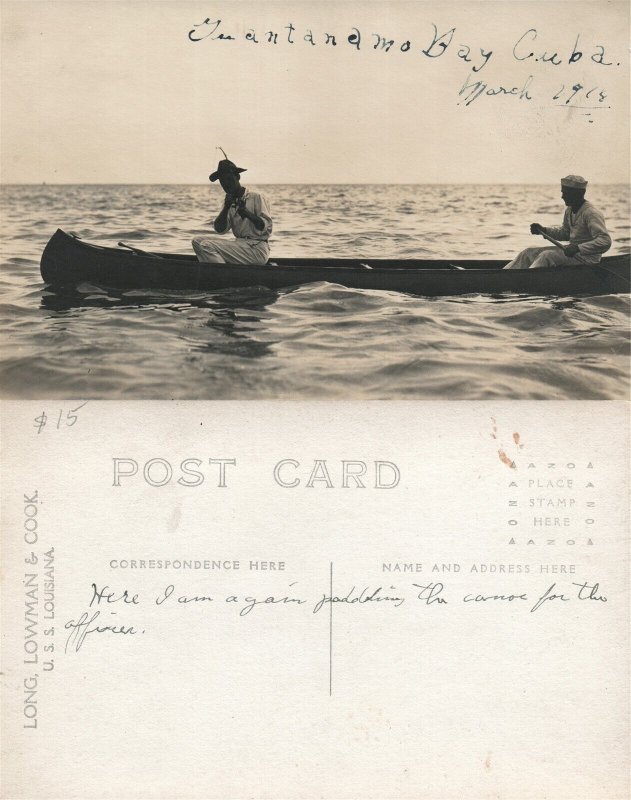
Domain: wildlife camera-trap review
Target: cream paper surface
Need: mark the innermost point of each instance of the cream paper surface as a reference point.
(318, 696)
(214, 696)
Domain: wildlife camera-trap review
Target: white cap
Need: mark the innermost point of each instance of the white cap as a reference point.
(574, 182)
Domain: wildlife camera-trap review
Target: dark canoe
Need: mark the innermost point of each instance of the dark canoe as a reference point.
(68, 261)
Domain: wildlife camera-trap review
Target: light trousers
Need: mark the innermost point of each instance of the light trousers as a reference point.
(533, 257)
(214, 250)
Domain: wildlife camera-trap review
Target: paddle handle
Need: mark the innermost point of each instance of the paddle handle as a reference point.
(137, 251)
(129, 247)
(550, 239)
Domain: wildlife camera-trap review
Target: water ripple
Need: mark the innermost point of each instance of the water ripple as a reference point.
(317, 341)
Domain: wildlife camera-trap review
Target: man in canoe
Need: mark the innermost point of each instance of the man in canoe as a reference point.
(246, 214)
(583, 226)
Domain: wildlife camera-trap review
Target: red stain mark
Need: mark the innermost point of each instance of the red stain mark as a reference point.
(487, 763)
(494, 431)
(506, 460)
(517, 441)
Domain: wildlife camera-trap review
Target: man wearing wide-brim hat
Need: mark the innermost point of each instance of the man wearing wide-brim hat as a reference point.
(583, 226)
(246, 214)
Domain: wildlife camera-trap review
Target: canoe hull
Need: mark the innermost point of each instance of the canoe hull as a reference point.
(67, 261)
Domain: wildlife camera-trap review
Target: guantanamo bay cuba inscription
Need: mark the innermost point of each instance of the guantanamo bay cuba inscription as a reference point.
(534, 48)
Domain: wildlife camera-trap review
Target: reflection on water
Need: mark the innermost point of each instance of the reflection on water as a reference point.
(316, 341)
(256, 298)
(230, 312)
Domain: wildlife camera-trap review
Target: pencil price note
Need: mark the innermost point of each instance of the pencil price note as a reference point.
(58, 419)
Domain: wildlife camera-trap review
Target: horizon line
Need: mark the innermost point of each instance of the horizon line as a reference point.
(311, 183)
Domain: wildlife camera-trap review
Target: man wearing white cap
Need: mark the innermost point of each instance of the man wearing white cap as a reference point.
(583, 226)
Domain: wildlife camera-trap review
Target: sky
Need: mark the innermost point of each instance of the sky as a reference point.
(118, 91)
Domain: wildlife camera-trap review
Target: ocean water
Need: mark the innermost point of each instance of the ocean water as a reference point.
(319, 341)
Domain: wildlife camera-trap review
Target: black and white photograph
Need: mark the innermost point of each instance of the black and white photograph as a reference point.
(315, 399)
(375, 201)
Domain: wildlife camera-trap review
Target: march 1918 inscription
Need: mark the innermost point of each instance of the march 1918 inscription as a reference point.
(581, 64)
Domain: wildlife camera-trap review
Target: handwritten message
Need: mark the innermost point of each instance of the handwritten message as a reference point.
(568, 55)
(435, 594)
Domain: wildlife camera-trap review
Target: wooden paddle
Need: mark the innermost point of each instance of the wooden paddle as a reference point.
(136, 251)
(550, 239)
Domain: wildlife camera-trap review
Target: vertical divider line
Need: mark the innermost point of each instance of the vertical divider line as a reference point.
(331, 630)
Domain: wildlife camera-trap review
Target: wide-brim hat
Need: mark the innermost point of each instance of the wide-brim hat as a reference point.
(574, 182)
(226, 166)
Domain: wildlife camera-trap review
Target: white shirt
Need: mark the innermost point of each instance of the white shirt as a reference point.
(244, 228)
(585, 228)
